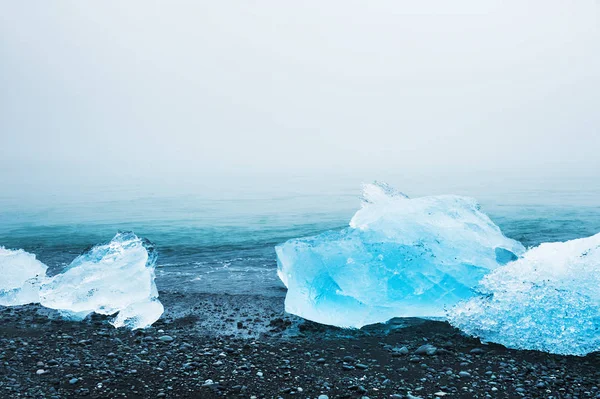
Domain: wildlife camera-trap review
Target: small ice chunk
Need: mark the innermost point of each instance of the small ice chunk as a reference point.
(400, 257)
(548, 300)
(110, 278)
(139, 315)
(20, 277)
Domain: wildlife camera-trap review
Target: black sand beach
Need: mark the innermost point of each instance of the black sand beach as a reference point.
(234, 346)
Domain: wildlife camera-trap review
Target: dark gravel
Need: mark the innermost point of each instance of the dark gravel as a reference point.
(273, 356)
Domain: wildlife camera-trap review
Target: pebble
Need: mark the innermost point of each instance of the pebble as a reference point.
(426, 349)
(400, 351)
(220, 366)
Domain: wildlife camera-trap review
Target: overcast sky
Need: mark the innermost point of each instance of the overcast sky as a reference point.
(223, 88)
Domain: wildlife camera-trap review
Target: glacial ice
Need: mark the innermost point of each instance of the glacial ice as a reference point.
(400, 257)
(20, 276)
(109, 278)
(117, 277)
(548, 300)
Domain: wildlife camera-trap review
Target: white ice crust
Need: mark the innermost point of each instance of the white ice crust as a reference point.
(549, 300)
(20, 276)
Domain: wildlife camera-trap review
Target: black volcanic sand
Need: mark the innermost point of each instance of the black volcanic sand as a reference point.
(234, 346)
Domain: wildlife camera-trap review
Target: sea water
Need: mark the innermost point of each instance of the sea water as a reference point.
(220, 239)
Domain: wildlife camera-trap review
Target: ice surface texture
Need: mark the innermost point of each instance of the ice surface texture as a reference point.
(109, 278)
(400, 257)
(549, 300)
(117, 277)
(20, 277)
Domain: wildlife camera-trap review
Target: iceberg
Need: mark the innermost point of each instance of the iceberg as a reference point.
(400, 257)
(113, 278)
(117, 277)
(548, 300)
(20, 277)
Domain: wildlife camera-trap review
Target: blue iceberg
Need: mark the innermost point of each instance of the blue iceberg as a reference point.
(548, 300)
(400, 257)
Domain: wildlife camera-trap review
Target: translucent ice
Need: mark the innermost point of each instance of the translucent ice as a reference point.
(549, 300)
(109, 278)
(20, 277)
(400, 257)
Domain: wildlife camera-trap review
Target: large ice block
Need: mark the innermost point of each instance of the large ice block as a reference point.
(109, 278)
(20, 277)
(400, 257)
(549, 300)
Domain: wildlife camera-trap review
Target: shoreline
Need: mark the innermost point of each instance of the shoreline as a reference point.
(229, 346)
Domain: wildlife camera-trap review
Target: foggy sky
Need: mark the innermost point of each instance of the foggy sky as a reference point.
(201, 89)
